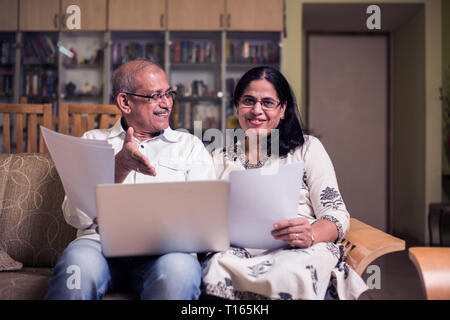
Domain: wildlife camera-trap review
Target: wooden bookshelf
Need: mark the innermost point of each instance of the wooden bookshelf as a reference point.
(7, 66)
(216, 48)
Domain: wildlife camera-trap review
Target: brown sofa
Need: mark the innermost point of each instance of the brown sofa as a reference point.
(32, 227)
(33, 232)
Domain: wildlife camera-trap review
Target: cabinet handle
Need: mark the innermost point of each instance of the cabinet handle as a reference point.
(228, 20)
(63, 20)
(161, 20)
(55, 21)
(221, 20)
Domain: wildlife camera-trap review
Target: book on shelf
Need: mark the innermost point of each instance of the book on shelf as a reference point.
(7, 52)
(134, 51)
(154, 52)
(242, 51)
(123, 52)
(39, 49)
(176, 52)
(47, 52)
(116, 53)
(184, 51)
(40, 83)
(195, 52)
(50, 45)
(181, 115)
(6, 84)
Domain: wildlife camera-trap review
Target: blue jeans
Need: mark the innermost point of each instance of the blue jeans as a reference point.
(82, 272)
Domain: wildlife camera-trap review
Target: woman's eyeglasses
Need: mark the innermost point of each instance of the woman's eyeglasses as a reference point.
(266, 103)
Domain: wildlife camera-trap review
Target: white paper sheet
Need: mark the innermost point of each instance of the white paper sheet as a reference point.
(258, 200)
(82, 164)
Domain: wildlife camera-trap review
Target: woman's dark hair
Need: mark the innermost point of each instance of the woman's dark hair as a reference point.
(290, 130)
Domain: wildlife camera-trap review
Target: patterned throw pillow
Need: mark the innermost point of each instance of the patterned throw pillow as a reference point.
(7, 263)
(32, 227)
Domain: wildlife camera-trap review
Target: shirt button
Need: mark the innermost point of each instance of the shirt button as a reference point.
(142, 146)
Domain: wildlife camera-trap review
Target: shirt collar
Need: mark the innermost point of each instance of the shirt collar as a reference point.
(116, 129)
(121, 126)
(171, 135)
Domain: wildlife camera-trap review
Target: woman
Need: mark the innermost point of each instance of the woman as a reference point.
(311, 265)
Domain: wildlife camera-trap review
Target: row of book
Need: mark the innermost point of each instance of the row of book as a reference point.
(123, 52)
(184, 114)
(7, 52)
(40, 83)
(39, 49)
(6, 84)
(238, 51)
(195, 52)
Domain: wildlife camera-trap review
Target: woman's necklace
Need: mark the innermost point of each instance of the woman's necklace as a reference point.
(246, 163)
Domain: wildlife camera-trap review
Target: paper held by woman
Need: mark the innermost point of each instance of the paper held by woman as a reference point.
(260, 198)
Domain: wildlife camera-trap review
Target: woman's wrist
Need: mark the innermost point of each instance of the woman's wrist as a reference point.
(324, 231)
(313, 240)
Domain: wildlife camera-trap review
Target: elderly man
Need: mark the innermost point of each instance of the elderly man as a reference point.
(146, 150)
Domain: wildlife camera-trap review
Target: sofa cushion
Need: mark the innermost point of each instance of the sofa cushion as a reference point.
(32, 227)
(7, 263)
(32, 284)
(25, 284)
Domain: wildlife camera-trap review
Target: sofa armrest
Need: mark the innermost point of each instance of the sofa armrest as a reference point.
(363, 244)
(433, 266)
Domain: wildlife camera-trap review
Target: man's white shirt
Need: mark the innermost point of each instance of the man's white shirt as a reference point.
(175, 155)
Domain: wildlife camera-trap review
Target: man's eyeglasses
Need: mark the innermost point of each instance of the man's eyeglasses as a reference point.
(156, 97)
(266, 103)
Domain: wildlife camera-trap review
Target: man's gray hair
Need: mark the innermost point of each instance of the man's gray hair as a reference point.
(124, 78)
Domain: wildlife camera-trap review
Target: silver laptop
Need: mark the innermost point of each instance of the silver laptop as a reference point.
(157, 218)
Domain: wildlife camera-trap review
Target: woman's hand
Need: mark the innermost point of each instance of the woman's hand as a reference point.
(296, 231)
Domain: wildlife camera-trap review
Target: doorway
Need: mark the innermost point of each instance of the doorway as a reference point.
(348, 110)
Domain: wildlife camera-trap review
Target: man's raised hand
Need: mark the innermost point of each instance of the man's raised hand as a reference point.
(129, 158)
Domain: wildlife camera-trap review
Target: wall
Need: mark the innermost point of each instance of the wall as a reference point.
(408, 128)
(446, 84)
(340, 93)
(446, 44)
(292, 62)
(430, 167)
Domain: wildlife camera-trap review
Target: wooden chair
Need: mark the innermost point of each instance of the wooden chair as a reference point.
(363, 244)
(76, 119)
(28, 118)
(433, 266)
(439, 218)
